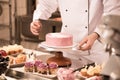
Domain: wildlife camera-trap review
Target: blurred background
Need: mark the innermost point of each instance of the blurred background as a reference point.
(15, 19)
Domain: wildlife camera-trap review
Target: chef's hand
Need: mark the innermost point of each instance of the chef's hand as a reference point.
(35, 27)
(88, 41)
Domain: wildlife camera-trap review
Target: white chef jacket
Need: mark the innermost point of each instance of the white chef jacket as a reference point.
(80, 18)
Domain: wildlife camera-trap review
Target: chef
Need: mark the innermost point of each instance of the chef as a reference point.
(80, 18)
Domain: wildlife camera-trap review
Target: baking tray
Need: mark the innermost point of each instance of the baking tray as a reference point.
(19, 75)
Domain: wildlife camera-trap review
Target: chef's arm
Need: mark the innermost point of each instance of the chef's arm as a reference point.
(87, 42)
(44, 9)
(111, 7)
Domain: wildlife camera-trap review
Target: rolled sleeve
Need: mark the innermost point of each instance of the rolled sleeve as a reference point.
(111, 7)
(44, 9)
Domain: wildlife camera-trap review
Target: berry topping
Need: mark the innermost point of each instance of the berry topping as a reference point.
(3, 53)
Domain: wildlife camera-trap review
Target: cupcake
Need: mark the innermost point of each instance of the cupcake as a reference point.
(42, 68)
(53, 68)
(36, 64)
(29, 66)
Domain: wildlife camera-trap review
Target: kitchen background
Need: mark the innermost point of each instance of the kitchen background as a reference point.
(15, 19)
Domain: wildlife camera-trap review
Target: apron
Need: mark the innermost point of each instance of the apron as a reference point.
(80, 18)
(76, 21)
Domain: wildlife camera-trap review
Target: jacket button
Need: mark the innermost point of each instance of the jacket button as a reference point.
(86, 10)
(65, 25)
(66, 10)
(86, 27)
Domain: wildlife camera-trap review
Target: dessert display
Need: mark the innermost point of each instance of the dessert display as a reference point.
(18, 59)
(12, 49)
(91, 71)
(87, 73)
(15, 54)
(37, 66)
(59, 39)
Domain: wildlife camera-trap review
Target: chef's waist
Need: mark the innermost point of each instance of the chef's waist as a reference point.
(76, 54)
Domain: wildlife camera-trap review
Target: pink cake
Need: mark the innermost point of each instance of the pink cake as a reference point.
(59, 39)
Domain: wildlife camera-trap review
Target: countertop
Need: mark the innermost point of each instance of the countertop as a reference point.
(42, 55)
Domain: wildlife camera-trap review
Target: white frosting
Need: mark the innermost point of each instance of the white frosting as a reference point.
(57, 35)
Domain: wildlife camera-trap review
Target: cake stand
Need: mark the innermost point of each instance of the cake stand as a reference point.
(58, 51)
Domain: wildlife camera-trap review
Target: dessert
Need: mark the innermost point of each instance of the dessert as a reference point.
(12, 49)
(59, 39)
(91, 71)
(20, 58)
(53, 68)
(42, 68)
(37, 63)
(3, 53)
(29, 66)
(65, 74)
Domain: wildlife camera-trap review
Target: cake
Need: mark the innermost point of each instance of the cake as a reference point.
(42, 68)
(29, 66)
(59, 39)
(53, 67)
(59, 59)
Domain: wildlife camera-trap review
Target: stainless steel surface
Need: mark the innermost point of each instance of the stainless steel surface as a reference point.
(18, 73)
(111, 32)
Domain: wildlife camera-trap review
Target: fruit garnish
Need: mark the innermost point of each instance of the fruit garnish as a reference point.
(3, 53)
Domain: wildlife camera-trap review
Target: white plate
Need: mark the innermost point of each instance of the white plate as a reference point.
(57, 47)
(21, 69)
(46, 76)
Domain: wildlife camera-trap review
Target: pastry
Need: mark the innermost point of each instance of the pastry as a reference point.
(53, 67)
(29, 66)
(13, 49)
(20, 58)
(42, 68)
(37, 63)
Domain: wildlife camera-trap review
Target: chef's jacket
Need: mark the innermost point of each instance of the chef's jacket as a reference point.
(80, 18)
